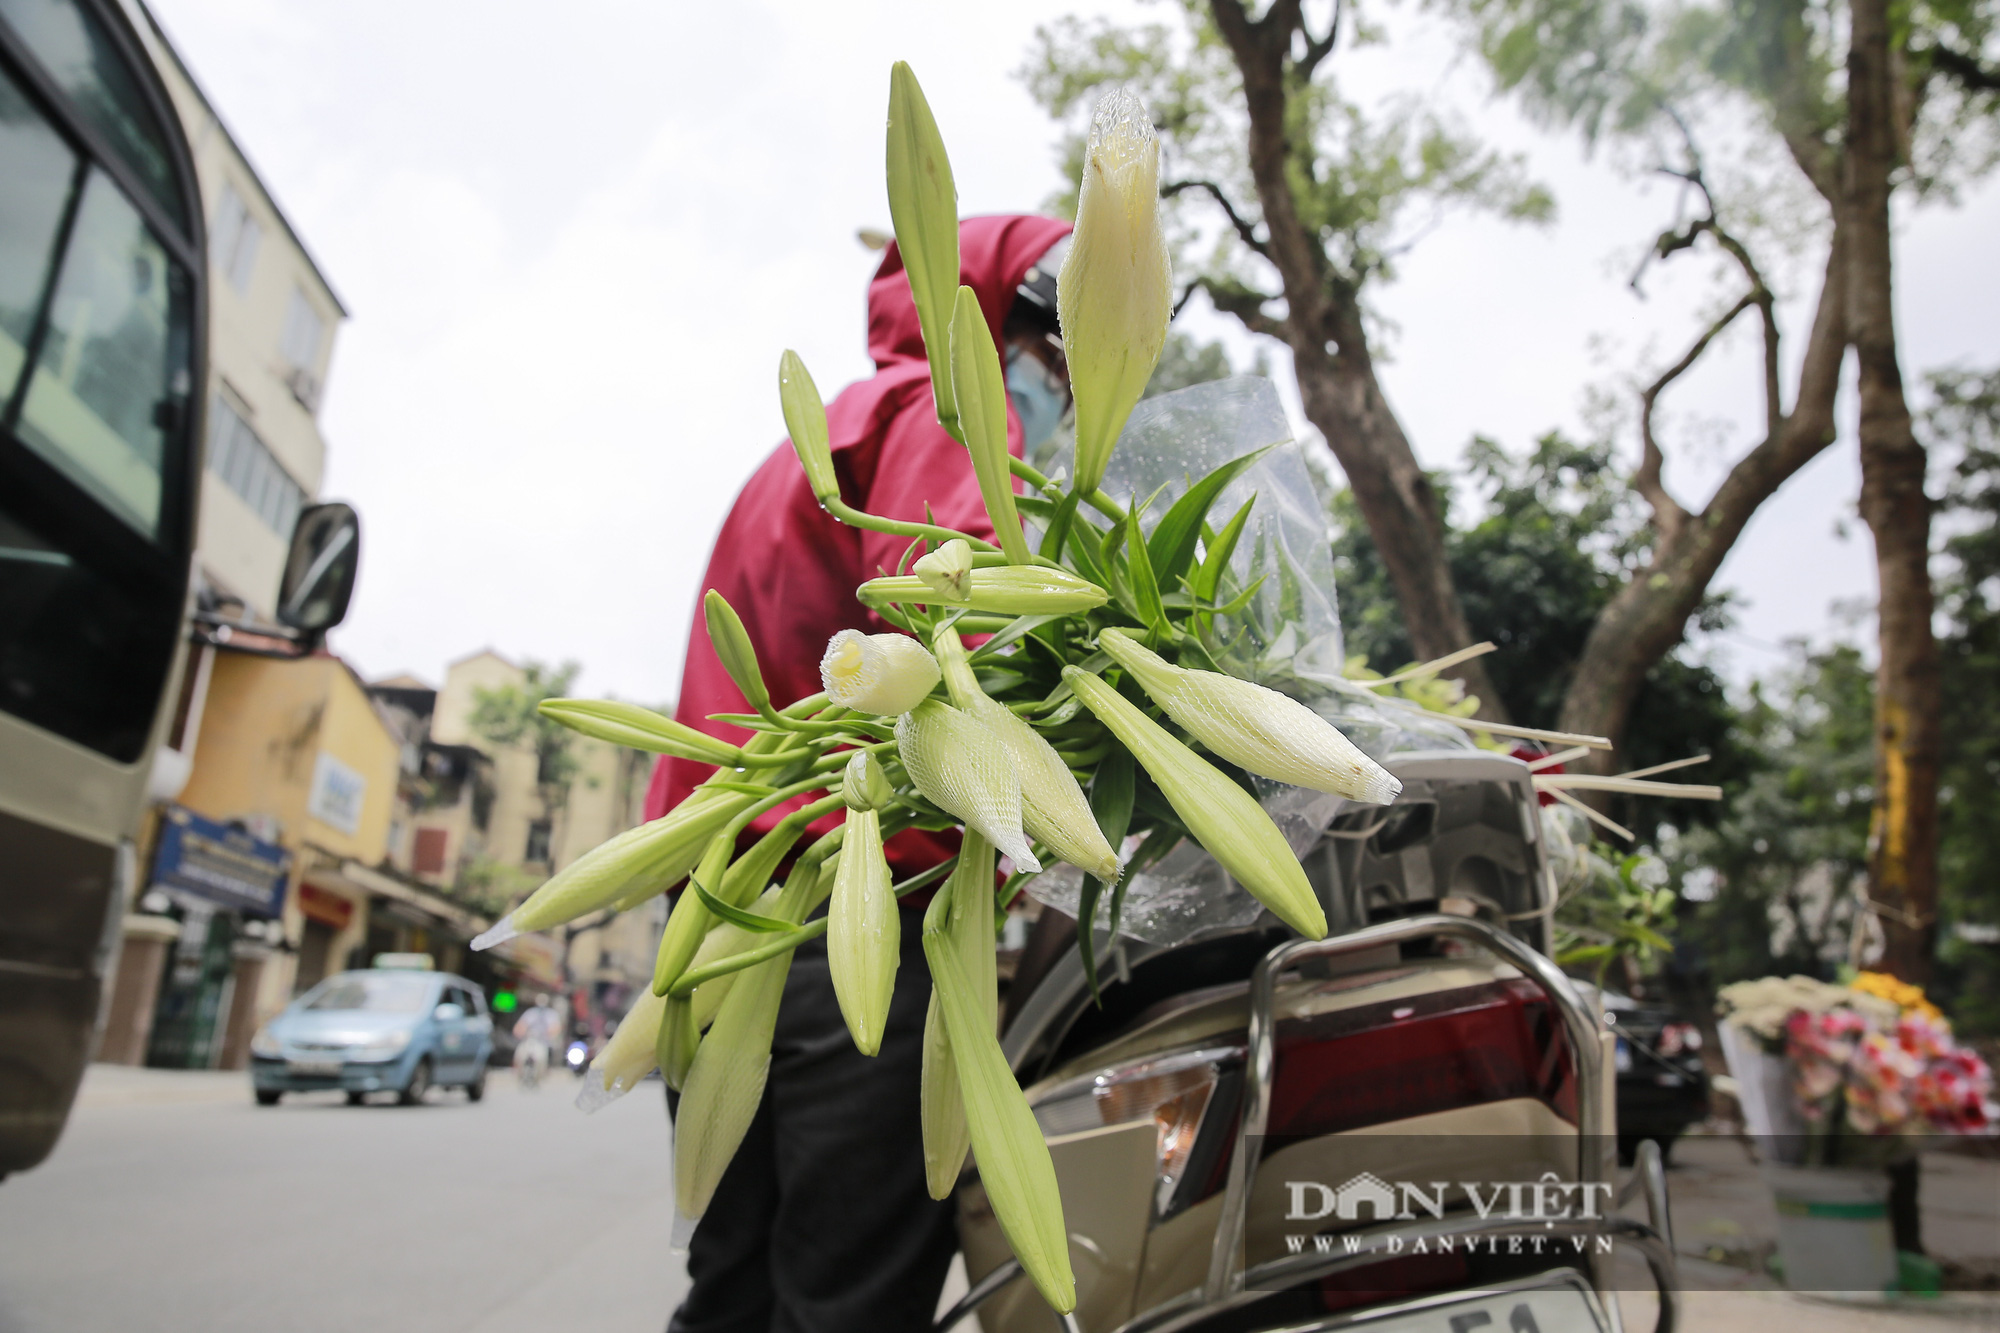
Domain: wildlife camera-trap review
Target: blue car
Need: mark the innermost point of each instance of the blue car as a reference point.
(376, 1031)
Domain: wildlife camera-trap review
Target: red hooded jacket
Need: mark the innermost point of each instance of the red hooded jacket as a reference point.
(790, 569)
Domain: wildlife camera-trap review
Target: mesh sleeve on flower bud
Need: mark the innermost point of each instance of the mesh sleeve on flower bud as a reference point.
(1255, 727)
(884, 674)
(959, 765)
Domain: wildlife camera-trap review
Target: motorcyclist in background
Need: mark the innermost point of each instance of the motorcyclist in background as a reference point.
(822, 1221)
(536, 1031)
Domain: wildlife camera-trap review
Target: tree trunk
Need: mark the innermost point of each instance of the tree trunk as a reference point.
(1902, 867)
(1650, 613)
(1336, 374)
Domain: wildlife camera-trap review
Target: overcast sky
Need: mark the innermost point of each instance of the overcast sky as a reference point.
(575, 238)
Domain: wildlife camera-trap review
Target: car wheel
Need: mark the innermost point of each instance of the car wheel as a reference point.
(268, 1096)
(419, 1084)
(476, 1090)
(356, 1098)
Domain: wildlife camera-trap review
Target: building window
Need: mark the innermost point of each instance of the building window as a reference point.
(538, 841)
(233, 243)
(246, 466)
(429, 858)
(304, 331)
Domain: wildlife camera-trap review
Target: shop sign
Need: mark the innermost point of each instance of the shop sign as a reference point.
(329, 909)
(337, 794)
(222, 864)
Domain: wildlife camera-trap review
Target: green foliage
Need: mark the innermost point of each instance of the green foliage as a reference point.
(1777, 876)
(1642, 70)
(1359, 174)
(510, 716)
(1617, 911)
(1186, 362)
(1965, 420)
(493, 887)
(1538, 544)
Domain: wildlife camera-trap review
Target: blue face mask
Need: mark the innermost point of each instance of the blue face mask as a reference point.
(1038, 399)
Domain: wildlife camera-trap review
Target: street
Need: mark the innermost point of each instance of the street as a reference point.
(174, 1203)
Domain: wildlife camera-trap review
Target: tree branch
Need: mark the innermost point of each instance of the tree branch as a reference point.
(1964, 68)
(1759, 294)
(1669, 516)
(1318, 48)
(1244, 230)
(1245, 303)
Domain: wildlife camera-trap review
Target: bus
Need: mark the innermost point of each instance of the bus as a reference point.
(103, 368)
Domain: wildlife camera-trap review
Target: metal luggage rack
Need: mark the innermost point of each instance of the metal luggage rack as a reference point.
(1231, 1286)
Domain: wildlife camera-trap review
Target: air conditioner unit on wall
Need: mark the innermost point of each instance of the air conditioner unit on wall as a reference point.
(304, 386)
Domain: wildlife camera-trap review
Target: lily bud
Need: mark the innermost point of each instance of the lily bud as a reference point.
(1224, 818)
(1054, 810)
(958, 765)
(732, 644)
(722, 941)
(1008, 590)
(640, 729)
(677, 1042)
(940, 1108)
(725, 1084)
(1257, 728)
(1014, 1162)
(805, 421)
(884, 674)
(981, 390)
(947, 571)
(1115, 292)
(863, 784)
(650, 856)
(863, 932)
(630, 1055)
(923, 204)
(968, 896)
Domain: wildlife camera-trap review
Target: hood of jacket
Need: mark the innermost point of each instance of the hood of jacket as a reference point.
(994, 254)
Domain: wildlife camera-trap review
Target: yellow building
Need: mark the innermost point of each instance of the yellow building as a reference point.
(481, 823)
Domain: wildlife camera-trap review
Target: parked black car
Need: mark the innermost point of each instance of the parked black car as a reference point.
(1662, 1088)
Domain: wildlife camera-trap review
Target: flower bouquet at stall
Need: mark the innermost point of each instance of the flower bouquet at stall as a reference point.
(1850, 1075)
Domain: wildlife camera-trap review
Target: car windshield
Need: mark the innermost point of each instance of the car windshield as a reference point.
(373, 992)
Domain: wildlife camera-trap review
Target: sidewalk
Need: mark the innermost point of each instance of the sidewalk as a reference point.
(131, 1085)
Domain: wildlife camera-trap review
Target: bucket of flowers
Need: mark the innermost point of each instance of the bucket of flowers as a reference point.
(1838, 1082)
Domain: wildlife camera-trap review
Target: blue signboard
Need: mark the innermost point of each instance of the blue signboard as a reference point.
(222, 864)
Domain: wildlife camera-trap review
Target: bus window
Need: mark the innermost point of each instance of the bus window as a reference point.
(110, 382)
(40, 172)
(79, 56)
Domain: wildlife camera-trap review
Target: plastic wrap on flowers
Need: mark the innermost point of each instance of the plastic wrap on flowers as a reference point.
(1186, 893)
(1288, 636)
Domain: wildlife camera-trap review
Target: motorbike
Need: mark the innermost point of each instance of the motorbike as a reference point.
(1255, 1131)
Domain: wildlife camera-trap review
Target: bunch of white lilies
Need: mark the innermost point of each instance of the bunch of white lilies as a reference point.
(1058, 702)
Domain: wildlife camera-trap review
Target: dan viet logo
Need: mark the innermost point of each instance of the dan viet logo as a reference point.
(1478, 1204)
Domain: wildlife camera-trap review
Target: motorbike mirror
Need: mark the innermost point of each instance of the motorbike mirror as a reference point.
(320, 571)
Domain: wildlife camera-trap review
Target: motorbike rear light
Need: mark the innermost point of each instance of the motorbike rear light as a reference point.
(1372, 1064)
(1173, 1091)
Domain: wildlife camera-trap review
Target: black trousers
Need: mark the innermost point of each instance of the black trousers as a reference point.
(822, 1223)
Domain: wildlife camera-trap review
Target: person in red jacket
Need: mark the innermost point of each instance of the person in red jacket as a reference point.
(822, 1221)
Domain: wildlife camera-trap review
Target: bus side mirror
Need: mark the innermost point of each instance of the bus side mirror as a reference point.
(319, 572)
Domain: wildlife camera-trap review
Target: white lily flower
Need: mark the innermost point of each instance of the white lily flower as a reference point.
(1254, 727)
(885, 674)
(1115, 292)
(947, 571)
